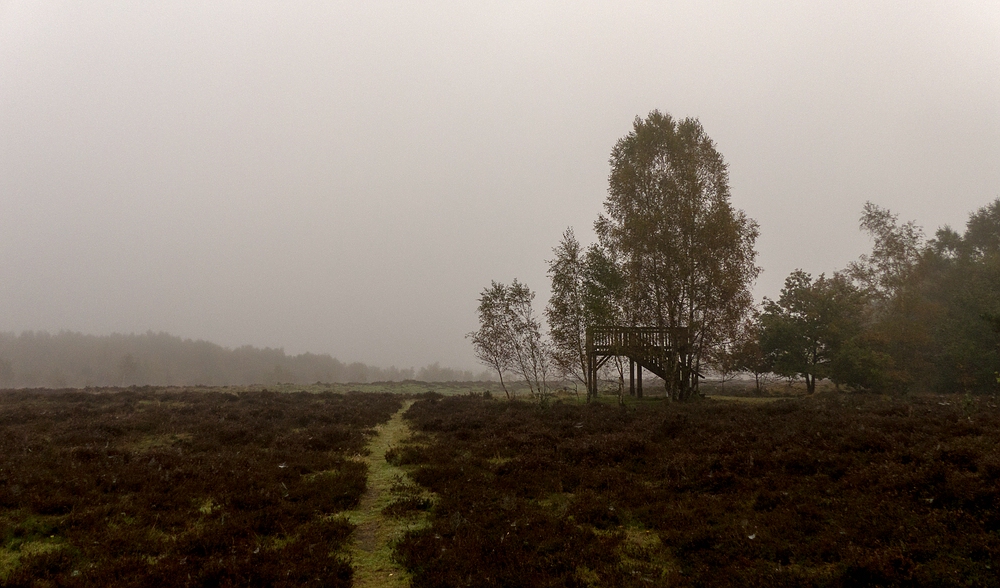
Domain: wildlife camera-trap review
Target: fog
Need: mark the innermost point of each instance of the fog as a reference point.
(345, 178)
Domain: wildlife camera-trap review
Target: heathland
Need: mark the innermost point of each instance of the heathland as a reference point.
(227, 487)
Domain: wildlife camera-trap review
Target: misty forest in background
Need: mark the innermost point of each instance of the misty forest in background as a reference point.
(915, 314)
(67, 359)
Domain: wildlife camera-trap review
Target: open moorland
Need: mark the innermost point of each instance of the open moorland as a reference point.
(182, 487)
(216, 487)
(834, 490)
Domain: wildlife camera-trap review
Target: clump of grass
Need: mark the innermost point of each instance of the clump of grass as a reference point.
(408, 499)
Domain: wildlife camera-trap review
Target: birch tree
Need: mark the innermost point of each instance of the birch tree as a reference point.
(686, 255)
(566, 312)
(490, 343)
(509, 339)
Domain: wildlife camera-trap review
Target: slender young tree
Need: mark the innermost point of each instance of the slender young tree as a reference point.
(604, 304)
(509, 338)
(749, 357)
(897, 322)
(566, 311)
(895, 254)
(729, 357)
(491, 343)
(531, 353)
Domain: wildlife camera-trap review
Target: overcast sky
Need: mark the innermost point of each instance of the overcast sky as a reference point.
(346, 177)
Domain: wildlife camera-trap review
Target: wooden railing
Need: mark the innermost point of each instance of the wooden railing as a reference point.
(614, 339)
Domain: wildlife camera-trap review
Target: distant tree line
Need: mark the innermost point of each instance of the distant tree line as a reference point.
(68, 359)
(914, 314)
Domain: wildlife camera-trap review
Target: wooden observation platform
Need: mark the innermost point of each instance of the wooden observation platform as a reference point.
(655, 349)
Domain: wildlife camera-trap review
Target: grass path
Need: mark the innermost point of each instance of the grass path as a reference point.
(371, 552)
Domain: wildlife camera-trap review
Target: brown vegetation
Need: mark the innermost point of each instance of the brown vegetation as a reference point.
(833, 490)
(180, 488)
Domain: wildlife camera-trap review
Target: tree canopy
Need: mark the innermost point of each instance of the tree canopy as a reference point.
(810, 325)
(686, 256)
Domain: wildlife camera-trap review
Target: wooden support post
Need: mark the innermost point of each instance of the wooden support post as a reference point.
(591, 372)
(631, 376)
(638, 388)
(591, 376)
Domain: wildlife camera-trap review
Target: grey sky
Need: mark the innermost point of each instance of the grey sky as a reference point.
(345, 178)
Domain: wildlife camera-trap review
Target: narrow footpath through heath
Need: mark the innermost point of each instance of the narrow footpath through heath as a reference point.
(371, 551)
